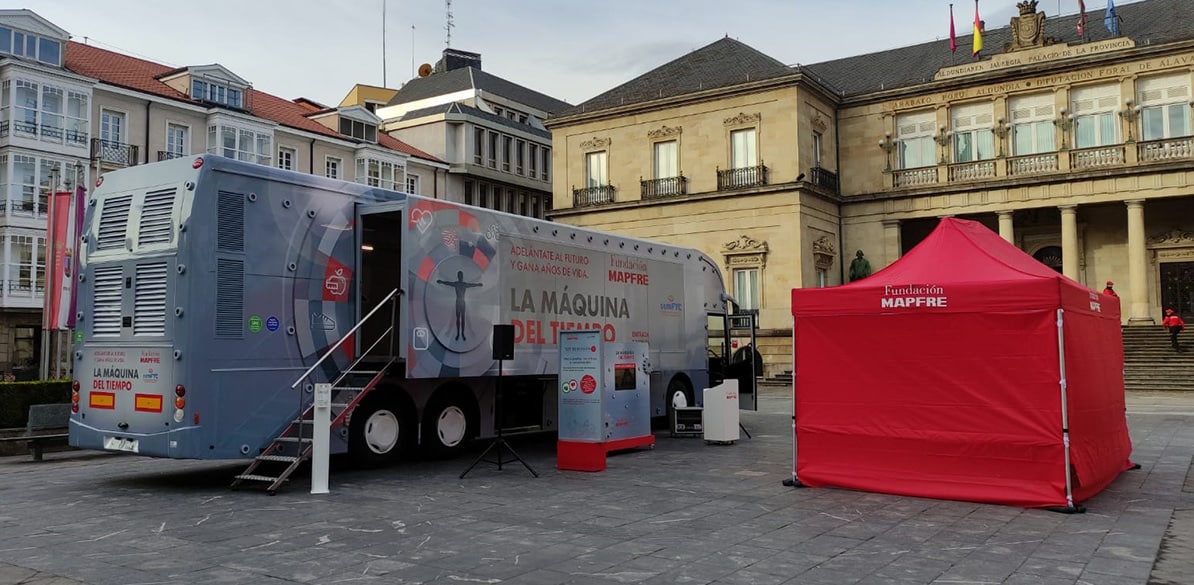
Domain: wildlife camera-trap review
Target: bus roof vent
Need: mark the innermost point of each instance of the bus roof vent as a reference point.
(106, 301)
(156, 218)
(113, 223)
(230, 222)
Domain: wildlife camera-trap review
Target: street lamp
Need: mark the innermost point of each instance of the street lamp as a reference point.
(888, 145)
(942, 139)
(1129, 114)
(1064, 123)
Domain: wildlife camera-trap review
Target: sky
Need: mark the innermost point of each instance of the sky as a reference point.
(569, 49)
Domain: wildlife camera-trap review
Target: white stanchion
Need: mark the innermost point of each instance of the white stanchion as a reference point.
(321, 436)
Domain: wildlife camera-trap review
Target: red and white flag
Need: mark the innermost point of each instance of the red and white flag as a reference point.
(1081, 17)
(60, 269)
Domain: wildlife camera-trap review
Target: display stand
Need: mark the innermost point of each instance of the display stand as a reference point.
(503, 349)
(604, 400)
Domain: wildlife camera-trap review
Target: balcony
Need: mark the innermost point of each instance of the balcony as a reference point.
(589, 196)
(664, 188)
(113, 153)
(23, 127)
(970, 171)
(1166, 150)
(914, 177)
(1032, 164)
(741, 178)
(51, 131)
(824, 178)
(167, 155)
(1093, 158)
(76, 138)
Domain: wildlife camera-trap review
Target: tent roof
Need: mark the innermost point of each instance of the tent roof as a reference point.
(962, 261)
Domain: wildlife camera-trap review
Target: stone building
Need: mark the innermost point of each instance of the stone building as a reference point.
(1076, 149)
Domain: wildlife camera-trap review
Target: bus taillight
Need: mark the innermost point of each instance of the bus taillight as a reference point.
(74, 396)
(180, 402)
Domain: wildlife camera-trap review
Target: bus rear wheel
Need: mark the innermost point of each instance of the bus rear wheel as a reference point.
(678, 395)
(450, 424)
(380, 433)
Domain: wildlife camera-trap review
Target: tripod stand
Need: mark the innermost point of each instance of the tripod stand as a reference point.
(503, 349)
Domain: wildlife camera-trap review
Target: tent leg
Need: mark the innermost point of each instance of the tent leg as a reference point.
(1067, 509)
(1065, 417)
(1134, 467)
(793, 483)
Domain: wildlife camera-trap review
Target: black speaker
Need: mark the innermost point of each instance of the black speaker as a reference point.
(503, 342)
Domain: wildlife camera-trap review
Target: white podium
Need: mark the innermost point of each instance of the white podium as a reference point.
(720, 414)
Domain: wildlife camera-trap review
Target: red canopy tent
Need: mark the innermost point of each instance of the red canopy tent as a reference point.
(966, 370)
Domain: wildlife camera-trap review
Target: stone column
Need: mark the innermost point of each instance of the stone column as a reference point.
(891, 241)
(1006, 228)
(1137, 265)
(1069, 240)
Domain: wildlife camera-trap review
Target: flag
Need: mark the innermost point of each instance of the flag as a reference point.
(1111, 19)
(60, 263)
(978, 31)
(1081, 17)
(953, 38)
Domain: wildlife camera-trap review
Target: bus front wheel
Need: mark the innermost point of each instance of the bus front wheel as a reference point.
(449, 423)
(379, 434)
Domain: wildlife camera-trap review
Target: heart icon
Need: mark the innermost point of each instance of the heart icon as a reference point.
(422, 219)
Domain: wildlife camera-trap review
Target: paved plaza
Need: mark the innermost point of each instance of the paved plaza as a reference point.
(685, 512)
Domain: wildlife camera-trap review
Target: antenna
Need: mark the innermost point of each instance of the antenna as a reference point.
(412, 51)
(383, 43)
(450, 25)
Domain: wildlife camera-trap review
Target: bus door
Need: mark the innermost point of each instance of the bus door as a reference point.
(379, 229)
(745, 361)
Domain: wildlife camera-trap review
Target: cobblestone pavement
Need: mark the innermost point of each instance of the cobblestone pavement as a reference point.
(685, 512)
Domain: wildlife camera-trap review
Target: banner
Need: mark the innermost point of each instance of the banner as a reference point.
(60, 260)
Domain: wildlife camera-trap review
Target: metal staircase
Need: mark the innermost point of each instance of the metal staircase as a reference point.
(293, 446)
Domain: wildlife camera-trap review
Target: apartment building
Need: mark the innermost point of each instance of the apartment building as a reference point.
(488, 129)
(1077, 149)
(70, 112)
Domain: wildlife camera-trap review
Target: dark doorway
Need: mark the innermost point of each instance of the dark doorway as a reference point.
(1049, 256)
(381, 238)
(1177, 288)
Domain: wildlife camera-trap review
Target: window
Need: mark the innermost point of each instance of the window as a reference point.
(543, 169)
(22, 44)
(1094, 115)
(27, 265)
(973, 135)
(1032, 124)
(77, 124)
(1164, 107)
(112, 127)
(52, 108)
(286, 158)
(491, 154)
(478, 146)
(483, 195)
(533, 207)
(178, 140)
(470, 197)
(532, 159)
(816, 149)
(331, 167)
(914, 140)
(359, 130)
(596, 171)
(412, 184)
(743, 149)
(26, 183)
(216, 93)
(380, 173)
(746, 288)
(667, 163)
(520, 156)
(507, 147)
(24, 119)
(240, 143)
(26, 348)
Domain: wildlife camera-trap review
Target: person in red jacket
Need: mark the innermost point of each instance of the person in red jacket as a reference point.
(1173, 322)
(1109, 290)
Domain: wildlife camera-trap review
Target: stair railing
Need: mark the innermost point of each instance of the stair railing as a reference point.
(392, 300)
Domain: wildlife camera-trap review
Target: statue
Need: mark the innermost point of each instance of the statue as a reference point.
(860, 268)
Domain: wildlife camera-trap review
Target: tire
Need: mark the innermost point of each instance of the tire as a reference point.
(450, 424)
(380, 433)
(678, 395)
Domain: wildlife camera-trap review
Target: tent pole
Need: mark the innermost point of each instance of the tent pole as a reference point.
(1065, 417)
(793, 481)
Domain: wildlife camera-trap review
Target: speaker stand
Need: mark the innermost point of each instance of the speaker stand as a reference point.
(498, 443)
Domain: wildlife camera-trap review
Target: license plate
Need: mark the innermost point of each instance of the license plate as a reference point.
(121, 444)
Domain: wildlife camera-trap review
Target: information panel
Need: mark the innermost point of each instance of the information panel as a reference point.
(581, 380)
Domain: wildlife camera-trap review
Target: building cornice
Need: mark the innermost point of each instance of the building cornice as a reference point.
(800, 187)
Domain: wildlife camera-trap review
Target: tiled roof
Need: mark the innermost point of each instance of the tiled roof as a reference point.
(467, 78)
(1150, 22)
(459, 108)
(141, 75)
(723, 63)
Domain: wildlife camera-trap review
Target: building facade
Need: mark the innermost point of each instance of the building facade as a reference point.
(489, 130)
(1076, 149)
(70, 112)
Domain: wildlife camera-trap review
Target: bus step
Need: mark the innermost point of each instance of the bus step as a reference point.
(350, 388)
(293, 440)
(252, 477)
(278, 458)
(302, 421)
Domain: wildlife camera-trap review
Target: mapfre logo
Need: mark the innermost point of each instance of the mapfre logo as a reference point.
(911, 296)
(1095, 305)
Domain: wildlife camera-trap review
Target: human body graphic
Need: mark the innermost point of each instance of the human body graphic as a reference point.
(461, 286)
